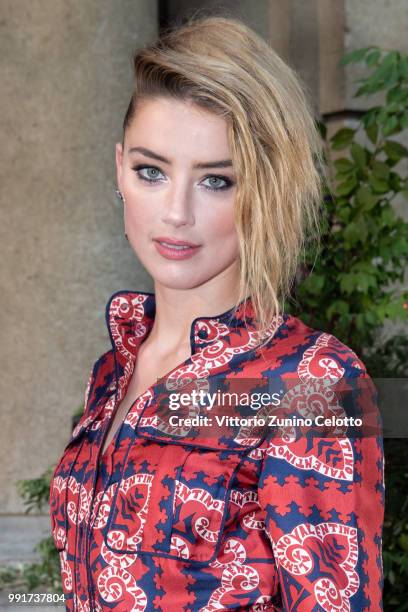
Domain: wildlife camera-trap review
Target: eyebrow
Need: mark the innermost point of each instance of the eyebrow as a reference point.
(224, 163)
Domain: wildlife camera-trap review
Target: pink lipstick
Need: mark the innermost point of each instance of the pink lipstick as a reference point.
(175, 249)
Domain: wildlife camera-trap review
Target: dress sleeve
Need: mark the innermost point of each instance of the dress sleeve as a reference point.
(323, 498)
(94, 375)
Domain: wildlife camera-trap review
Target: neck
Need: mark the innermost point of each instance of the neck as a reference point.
(177, 308)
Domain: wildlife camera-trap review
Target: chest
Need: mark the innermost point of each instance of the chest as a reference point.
(167, 499)
(170, 497)
(146, 372)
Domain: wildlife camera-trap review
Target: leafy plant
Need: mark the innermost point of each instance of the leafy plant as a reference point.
(45, 573)
(354, 284)
(35, 492)
(395, 553)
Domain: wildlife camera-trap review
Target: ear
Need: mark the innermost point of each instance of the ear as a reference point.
(119, 159)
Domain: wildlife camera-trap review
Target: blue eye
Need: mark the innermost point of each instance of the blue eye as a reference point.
(151, 173)
(215, 182)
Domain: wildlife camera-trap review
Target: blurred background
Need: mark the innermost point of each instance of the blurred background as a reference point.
(66, 81)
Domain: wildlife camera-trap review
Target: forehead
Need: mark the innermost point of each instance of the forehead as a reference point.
(179, 126)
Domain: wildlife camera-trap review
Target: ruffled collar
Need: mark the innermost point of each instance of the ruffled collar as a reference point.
(219, 344)
(130, 317)
(227, 344)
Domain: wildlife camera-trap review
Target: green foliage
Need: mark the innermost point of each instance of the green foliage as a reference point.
(35, 492)
(9, 576)
(395, 553)
(357, 274)
(45, 573)
(353, 285)
(79, 412)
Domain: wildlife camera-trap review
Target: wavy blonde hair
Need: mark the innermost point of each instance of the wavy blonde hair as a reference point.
(222, 65)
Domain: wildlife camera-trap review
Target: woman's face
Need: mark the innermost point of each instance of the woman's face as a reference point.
(176, 177)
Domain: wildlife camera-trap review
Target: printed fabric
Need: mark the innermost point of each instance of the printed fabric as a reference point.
(195, 518)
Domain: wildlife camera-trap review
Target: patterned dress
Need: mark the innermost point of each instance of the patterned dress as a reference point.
(192, 517)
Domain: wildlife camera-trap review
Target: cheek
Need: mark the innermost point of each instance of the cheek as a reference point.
(137, 216)
(218, 222)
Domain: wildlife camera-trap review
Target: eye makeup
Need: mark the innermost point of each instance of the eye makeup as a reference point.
(140, 168)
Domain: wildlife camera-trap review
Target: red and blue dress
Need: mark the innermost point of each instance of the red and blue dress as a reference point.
(233, 518)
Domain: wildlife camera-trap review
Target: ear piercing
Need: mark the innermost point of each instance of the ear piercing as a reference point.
(120, 196)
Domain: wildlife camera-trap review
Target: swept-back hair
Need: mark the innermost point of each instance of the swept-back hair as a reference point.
(222, 65)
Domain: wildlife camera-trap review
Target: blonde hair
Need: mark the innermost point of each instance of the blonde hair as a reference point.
(223, 66)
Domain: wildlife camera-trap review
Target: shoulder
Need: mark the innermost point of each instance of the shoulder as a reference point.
(103, 365)
(101, 378)
(312, 353)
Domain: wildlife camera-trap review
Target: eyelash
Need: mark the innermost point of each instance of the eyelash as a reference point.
(228, 182)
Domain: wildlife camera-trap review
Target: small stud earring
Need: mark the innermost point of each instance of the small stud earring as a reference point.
(120, 196)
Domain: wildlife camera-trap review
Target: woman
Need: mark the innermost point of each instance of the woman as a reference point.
(218, 172)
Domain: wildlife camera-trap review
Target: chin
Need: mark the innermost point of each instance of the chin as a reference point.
(181, 280)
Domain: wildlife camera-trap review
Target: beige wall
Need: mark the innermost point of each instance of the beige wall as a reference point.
(65, 69)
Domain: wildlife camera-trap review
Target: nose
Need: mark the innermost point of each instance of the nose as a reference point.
(178, 207)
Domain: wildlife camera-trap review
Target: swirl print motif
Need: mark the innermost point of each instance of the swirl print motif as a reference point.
(169, 519)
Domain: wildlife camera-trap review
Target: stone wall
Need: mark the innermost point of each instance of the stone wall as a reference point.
(66, 79)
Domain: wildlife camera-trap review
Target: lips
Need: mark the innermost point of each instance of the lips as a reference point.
(172, 242)
(175, 249)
